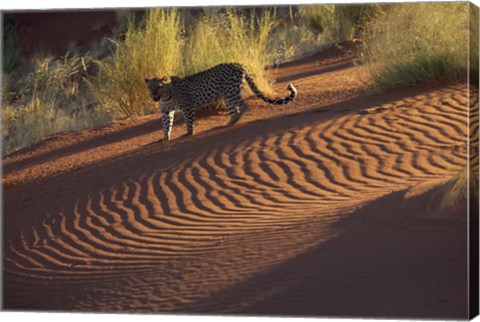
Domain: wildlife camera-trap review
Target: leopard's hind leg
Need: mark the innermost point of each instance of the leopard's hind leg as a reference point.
(236, 107)
(189, 115)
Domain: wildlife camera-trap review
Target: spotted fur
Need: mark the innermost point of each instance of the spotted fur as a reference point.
(186, 94)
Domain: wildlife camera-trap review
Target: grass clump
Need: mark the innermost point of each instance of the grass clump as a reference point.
(460, 187)
(54, 98)
(339, 22)
(59, 83)
(295, 40)
(410, 43)
(150, 49)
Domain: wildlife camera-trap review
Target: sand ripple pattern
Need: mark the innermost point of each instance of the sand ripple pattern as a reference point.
(211, 219)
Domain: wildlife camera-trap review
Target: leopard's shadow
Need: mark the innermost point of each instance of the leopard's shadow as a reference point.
(186, 138)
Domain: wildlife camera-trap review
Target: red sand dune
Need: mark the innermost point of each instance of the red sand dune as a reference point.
(315, 208)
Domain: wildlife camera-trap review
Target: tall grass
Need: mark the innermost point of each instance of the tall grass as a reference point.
(410, 43)
(231, 37)
(151, 49)
(58, 82)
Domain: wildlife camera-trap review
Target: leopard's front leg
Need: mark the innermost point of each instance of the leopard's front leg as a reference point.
(189, 115)
(167, 120)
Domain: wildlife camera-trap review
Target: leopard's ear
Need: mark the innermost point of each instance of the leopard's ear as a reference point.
(164, 79)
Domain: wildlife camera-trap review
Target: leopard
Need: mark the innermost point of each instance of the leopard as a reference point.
(224, 81)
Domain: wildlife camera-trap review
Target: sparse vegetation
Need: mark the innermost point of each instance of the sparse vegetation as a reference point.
(54, 98)
(29, 124)
(409, 43)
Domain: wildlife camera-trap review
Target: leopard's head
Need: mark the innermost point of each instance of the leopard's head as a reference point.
(159, 89)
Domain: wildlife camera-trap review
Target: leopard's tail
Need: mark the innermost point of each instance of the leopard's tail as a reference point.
(278, 101)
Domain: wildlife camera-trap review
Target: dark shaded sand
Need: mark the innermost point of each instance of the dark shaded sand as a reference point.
(328, 206)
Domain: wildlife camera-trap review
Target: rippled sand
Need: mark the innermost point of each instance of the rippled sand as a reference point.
(303, 210)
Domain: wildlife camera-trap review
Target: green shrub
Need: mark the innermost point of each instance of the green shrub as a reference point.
(337, 22)
(410, 43)
(313, 17)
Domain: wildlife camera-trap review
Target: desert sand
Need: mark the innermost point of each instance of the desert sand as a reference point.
(325, 207)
